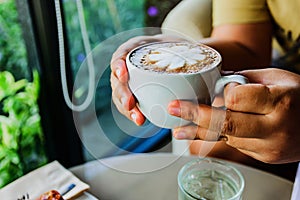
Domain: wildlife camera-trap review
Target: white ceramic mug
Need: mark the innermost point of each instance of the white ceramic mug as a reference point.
(155, 90)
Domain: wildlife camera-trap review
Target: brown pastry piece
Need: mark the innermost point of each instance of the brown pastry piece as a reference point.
(51, 195)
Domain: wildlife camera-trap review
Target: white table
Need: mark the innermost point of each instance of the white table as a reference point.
(154, 176)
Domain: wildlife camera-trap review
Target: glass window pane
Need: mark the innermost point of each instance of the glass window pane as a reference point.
(100, 26)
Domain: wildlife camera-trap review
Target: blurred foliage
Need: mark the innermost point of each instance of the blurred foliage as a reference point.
(12, 47)
(157, 10)
(21, 136)
(105, 18)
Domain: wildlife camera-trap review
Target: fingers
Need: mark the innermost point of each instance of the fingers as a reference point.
(125, 103)
(199, 114)
(230, 123)
(270, 76)
(270, 149)
(262, 76)
(193, 132)
(134, 114)
(122, 94)
(118, 64)
(119, 70)
(254, 147)
(124, 99)
(262, 94)
(252, 98)
(258, 149)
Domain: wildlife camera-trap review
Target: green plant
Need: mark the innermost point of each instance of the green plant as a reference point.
(12, 47)
(21, 137)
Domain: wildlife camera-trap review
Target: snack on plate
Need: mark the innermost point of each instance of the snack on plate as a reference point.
(51, 195)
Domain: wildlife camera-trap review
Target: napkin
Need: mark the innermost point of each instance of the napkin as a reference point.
(52, 176)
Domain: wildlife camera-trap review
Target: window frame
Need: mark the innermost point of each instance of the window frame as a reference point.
(61, 139)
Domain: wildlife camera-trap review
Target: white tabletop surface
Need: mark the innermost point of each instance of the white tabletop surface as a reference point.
(154, 176)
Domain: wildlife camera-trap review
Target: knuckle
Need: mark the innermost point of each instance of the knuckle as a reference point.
(190, 115)
(228, 127)
(286, 102)
(195, 114)
(231, 100)
(188, 111)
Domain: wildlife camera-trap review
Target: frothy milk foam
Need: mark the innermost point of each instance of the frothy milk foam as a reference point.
(175, 57)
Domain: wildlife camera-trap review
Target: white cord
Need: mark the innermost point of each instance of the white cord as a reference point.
(90, 62)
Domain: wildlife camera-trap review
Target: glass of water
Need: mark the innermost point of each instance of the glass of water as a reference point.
(209, 179)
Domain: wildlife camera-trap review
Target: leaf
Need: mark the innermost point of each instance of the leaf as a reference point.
(10, 136)
(5, 120)
(32, 125)
(18, 106)
(6, 78)
(2, 151)
(14, 157)
(8, 86)
(6, 81)
(19, 84)
(36, 83)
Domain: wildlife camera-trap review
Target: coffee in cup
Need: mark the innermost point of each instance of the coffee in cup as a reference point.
(172, 58)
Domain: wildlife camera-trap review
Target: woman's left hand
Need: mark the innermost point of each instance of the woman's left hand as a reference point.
(262, 118)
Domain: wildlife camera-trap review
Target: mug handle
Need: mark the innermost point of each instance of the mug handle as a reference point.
(224, 80)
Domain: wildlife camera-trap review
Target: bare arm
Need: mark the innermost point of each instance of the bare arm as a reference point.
(242, 46)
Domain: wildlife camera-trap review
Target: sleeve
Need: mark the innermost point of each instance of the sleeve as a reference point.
(239, 11)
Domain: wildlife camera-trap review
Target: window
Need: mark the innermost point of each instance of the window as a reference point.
(31, 51)
(21, 134)
(97, 28)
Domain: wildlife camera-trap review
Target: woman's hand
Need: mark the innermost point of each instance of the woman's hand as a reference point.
(262, 118)
(121, 94)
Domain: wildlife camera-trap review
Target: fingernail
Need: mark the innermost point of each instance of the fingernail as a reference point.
(180, 135)
(133, 116)
(174, 110)
(118, 73)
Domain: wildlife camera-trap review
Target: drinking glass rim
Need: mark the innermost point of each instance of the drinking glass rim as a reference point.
(212, 160)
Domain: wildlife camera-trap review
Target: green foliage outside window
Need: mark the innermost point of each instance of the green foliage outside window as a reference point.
(103, 18)
(12, 48)
(21, 137)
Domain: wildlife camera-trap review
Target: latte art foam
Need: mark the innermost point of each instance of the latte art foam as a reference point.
(179, 57)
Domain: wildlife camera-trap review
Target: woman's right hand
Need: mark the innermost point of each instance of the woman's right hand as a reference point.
(121, 94)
